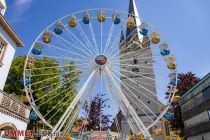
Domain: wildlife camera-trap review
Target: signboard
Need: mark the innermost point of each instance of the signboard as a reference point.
(99, 136)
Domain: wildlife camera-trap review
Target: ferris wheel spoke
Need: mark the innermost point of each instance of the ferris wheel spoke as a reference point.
(101, 38)
(143, 75)
(139, 82)
(123, 43)
(71, 121)
(140, 106)
(123, 61)
(46, 68)
(131, 51)
(134, 95)
(62, 57)
(127, 45)
(61, 107)
(113, 46)
(140, 125)
(41, 61)
(109, 36)
(93, 36)
(75, 45)
(58, 104)
(112, 103)
(135, 83)
(149, 67)
(61, 74)
(85, 47)
(57, 94)
(64, 117)
(67, 51)
(145, 95)
(78, 50)
(83, 34)
(56, 83)
(55, 89)
(122, 108)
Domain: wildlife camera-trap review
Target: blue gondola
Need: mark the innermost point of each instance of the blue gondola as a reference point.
(28, 81)
(144, 31)
(58, 28)
(86, 18)
(169, 116)
(33, 116)
(116, 18)
(165, 52)
(173, 82)
(58, 31)
(36, 51)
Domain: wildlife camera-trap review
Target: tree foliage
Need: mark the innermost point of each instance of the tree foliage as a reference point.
(51, 84)
(187, 81)
(95, 114)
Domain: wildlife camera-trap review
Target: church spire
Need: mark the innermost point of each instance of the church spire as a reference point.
(133, 10)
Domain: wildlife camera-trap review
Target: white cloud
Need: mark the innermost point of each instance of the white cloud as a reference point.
(18, 9)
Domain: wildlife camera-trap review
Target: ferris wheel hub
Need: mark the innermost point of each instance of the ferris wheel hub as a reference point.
(101, 60)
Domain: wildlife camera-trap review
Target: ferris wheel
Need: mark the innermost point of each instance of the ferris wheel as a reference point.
(100, 51)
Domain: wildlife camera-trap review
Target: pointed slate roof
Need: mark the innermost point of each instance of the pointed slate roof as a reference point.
(133, 10)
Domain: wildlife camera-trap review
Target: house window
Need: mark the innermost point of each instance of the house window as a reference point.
(206, 93)
(3, 46)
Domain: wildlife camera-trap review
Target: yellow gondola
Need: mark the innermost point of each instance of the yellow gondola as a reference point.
(163, 46)
(170, 60)
(155, 37)
(130, 22)
(72, 21)
(31, 59)
(146, 42)
(38, 46)
(176, 99)
(46, 38)
(172, 66)
(30, 65)
(144, 25)
(101, 16)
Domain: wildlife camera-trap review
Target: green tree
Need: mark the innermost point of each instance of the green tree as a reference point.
(50, 82)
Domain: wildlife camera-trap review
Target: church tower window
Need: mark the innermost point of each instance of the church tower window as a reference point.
(135, 69)
(135, 61)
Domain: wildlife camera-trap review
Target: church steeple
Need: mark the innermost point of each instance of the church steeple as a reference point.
(133, 10)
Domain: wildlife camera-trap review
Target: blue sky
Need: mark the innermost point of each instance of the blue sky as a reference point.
(185, 23)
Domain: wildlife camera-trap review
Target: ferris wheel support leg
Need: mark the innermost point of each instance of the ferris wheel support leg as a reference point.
(81, 105)
(122, 109)
(136, 118)
(63, 119)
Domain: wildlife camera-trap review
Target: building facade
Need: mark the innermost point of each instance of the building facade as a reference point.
(9, 41)
(195, 106)
(13, 113)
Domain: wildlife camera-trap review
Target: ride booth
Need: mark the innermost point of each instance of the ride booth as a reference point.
(95, 135)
